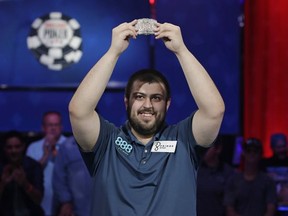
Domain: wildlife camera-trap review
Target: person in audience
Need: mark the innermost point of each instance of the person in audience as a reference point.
(45, 151)
(278, 144)
(21, 184)
(212, 178)
(251, 191)
(277, 166)
(71, 181)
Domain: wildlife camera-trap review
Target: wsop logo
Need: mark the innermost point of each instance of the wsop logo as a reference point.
(55, 40)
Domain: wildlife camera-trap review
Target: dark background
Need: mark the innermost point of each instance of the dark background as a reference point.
(210, 29)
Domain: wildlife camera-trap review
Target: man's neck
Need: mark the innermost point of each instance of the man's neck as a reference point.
(144, 139)
(251, 171)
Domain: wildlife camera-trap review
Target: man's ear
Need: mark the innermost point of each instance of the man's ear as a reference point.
(126, 102)
(168, 104)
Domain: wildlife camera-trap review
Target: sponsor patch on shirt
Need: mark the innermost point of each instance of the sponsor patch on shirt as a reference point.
(123, 145)
(164, 146)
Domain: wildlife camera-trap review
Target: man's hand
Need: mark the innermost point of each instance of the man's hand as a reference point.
(171, 36)
(50, 140)
(121, 35)
(7, 174)
(66, 210)
(49, 147)
(19, 176)
(12, 173)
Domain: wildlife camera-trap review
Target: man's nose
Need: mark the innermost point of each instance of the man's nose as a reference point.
(13, 150)
(147, 103)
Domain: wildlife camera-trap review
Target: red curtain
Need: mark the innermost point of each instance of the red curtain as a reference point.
(265, 70)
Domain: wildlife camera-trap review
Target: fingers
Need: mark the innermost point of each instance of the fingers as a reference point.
(171, 36)
(121, 35)
(166, 31)
(126, 30)
(169, 33)
(162, 30)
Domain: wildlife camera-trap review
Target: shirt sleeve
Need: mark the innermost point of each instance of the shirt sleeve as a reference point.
(187, 137)
(93, 158)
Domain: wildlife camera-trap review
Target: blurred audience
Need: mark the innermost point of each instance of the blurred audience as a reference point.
(251, 192)
(45, 151)
(21, 185)
(71, 182)
(212, 177)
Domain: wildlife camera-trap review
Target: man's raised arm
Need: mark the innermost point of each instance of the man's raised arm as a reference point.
(84, 119)
(208, 118)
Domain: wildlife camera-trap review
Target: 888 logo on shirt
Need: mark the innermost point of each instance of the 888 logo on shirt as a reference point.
(123, 145)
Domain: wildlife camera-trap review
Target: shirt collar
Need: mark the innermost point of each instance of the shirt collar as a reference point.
(126, 129)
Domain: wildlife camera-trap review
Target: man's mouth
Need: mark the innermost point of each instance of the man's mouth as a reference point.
(146, 115)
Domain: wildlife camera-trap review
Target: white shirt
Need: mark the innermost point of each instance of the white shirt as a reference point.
(35, 150)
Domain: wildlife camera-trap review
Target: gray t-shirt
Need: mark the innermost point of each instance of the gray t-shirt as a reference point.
(211, 183)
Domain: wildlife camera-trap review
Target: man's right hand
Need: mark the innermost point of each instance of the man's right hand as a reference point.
(121, 35)
(66, 210)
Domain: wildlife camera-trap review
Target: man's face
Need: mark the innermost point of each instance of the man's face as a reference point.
(147, 107)
(252, 154)
(280, 149)
(52, 125)
(14, 150)
(212, 153)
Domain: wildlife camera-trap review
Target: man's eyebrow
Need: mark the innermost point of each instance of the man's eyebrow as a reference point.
(137, 93)
(142, 93)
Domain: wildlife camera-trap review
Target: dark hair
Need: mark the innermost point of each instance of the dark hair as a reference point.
(8, 135)
(147, 76)
(11, 134)
(253, 143)
(275, 138)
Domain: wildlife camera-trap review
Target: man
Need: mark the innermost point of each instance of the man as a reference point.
(277, 166)
(212, 178)
(21, 185)
(45, 150)
(72, 183)
(251, 192)
(145, 167)
(278, 143)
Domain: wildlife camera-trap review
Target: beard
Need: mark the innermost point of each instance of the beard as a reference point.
(143, 127)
